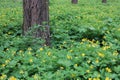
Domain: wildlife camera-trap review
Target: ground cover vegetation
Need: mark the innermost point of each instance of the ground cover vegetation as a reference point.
(85, 42)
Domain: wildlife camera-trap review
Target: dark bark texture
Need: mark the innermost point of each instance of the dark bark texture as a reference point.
(104, 1)
(74, 1)
(36, 12)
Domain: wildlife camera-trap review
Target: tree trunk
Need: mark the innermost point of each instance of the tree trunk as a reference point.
(36, 12)
(104, 1)
(74, 1)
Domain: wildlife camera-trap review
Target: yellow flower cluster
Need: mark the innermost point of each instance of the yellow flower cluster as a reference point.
(69, 57)
(93, 78)
(101, 54)
(6, 62)
(115, 53)
(107, 78)
(105, 47)
(108, 69)
(3, 77)
(84, 39)
(12, 78)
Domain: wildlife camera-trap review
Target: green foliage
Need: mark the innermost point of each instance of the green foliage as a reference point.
(80, 61)
(85, 42)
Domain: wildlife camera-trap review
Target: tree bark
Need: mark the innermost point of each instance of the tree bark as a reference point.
(104, 1)
(74, 1)
(36, 12)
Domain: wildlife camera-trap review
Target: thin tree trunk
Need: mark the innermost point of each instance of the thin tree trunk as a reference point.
(36, 12)
(104, 1)
(74, 1)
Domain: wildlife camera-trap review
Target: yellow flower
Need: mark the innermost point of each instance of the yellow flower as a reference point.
(88, 61)
(73, 75)
(89, 45)
(21, 72)
(69, 57)
(104, 37)
(3, 65)
(84, 39)
(96, 78)
(113, 60)
(101, 54)
(29, 49)
(94, 45)
(7, 61)
(83, 54)
(64, 42)
(71, 51)
(87, 71)
(97, 61)
(20, 51)
(91, 67)
(49, 53)
(105, 47)
(12, 78)
(7, 49)
(9, 32)
(31, 60)
(103, 42)
(108, 69)
(115, 53)
(61, 67)
(76, 65)
(81, 42)
(89, 78)
(35, 77)
(98, 75)
(41, 49)
(29, 53)
(44, 61)
(107, 78)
